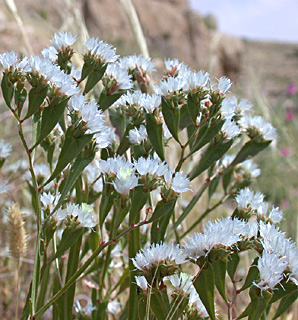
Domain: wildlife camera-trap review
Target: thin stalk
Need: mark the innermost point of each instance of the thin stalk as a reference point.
(88, 262)
(17, 288)
(147, 317)
(207, 211)
(190, 206)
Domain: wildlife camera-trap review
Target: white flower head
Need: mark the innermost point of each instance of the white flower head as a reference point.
(137, 136)
(8, 60)
(151, 102)
(182, 282)
(176, 68)
(158, 254)
(134, 61)
(5, 149)
(260, 124)
(170, 85)
(125, 181)
(63, 40)
(102, 50)
(250, 168)
(271, 268)
(142, 282)
(197, 80)
(247, 199)
(230, 129)
(120, 75)
(196, 303)
(180, 183)
(114, 307)
(50, 53)
(223, 84)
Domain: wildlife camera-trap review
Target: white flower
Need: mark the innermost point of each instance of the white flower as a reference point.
(142, 282)
(132, 62)
(87, 310)
(197, 80)
(120, 75)
(76, 73)
(137, 136)
(105, 137)
(92, 175)
(114, 307)
(131, 98)
(225, 232)
(151, 102)
(104, 51)
(170, 85)
(275, 215)
(250, 168)
(112, 165)
(182, 282)
(5, 149)
(227, 160)
(180, 183)
(271, 268)
(63, 39)
(50, 53)
(228, 107)
(146, 165)
(125, 181)
(243, 106)
(176, 68)
(158, 254)
(223, 84)
(196, 303)
(8, 59)
(260, 124)
(230, 129)
(247, 199)
(48, 200)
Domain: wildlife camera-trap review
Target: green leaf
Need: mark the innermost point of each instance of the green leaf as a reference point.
(107, 200)
(192, 108)
(155, 134)
(118, 121)
(139, 199)
(50, 117)
(94, 76)
(125, 144)
(204, 284)
(158, 306)
(162, 208)
(250, 149)
(105, 101)
(252, 275)
(220, 268)
(68, 239)
(172, 117)
(87, 68)
(232, 264)
(285, 304)
(36, 98)
(81, 162)
(72, 146)
(226, 178)
(7, 88)
(185, 119)
(213, 153)
(213, 186)
(282, 290)
(258, 304)
(205, 134)
(26, 310)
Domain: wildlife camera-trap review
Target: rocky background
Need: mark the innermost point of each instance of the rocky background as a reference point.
(172, 29)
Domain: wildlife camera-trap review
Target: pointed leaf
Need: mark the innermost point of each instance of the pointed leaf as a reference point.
(72, 146)
(155, 134)
(172, 117)
(192, 108)
(213, 186)
(285, 304)
(105, 101)
(158, 305)
(125, 144)
(252, 275)
(250, 149)
(220, 268)
(139, 199)
(204, 285)
(94, 76)
(36, 98)
(213, 153)
(50, 117)
(232, 264)
(185, 119)
(7, 88)
(162, 208)
(283, 290)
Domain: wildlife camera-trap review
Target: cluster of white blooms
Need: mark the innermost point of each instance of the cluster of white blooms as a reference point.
(170, 85)
(176, 68)
(10, 60)
(50, 53)
(275, 242)
(126, 178)
(137, 136)
(158, 254)
(101, 50)
(258, 123)
(48, 200)
(248, 200)
(198, 79)
(83, 213)
(53, 74)
(223, 84)
(230, 107)
(115, 72)
(230, 129)
(137, 61)
(5, 149)
(63, 40)
(225, 232)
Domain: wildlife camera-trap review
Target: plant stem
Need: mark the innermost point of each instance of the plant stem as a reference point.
(77, 274)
